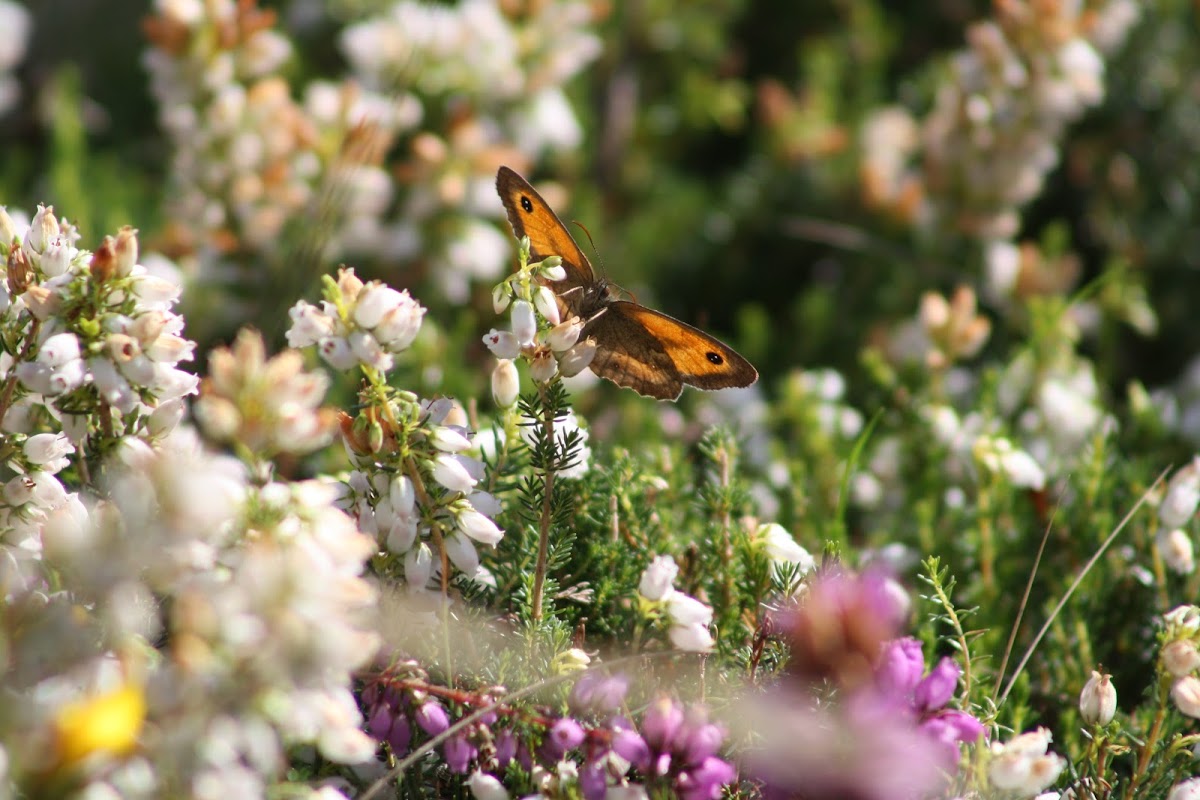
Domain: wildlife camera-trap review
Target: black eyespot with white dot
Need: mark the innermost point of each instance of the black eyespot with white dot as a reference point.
(526, 204)
(715, 358)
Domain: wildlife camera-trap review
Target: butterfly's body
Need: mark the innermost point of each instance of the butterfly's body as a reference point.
(637, 347)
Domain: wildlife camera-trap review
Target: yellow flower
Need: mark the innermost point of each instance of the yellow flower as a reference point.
(108, 723)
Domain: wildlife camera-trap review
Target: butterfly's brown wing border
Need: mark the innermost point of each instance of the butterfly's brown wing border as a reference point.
(655, 354)
(530, 215)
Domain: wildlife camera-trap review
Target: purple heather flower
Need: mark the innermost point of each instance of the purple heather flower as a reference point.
(432, 717)
(506, 747)
(629, 745)
(567, 733)
(700, 742)
(836, 632)
(832, 753)
(938, 687)
(953, 727)
(704, 781)
(661, 723)
(379, 721)
(400, 736)
(458, 752)
(593, 780)
(599, 693)
(900, 667)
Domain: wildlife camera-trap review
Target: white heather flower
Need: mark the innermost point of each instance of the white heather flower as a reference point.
(686, 610)
(1181, 657)
(999, 456)
(337, 352)
(565, 334)
(418, 565)
(506, 383)
(49, 450)
(542, 367)
(478, 527)
(486, 787)
(659, 578)
(1024, 764)
(503, 344)
(401, 322)
(524, 324)
(462, 553)
(1098, 700)
(691, 638)
(450, 471)
(369, 351)
(578, 358)
(1185, 693)
(781, 548)
(449, 439)
(1185, 790)
(1176, 549)
(59, 349)
(547, 304)
(1182, 496)
(310, 324)
(1186, 616)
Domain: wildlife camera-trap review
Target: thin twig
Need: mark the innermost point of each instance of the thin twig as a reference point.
(1075, 584)
(1012, 634)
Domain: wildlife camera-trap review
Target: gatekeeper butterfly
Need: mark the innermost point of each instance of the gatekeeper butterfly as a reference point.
(637, 347)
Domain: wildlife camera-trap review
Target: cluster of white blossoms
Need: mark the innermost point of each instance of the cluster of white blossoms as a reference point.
(1024, 765)
(993, 134)
(502, 69)
(1179, 658)
(103, 324)
(414, 487)
(175, 623)
(359, 323)
(248, 157)
(442, 491)
(687, 618)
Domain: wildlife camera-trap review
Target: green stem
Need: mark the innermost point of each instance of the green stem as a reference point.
(539, 575)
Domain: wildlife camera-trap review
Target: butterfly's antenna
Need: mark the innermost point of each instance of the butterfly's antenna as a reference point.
(596, 255)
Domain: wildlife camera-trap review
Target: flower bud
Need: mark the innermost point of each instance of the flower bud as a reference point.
(127, 250)
(552, 270)
(1182, 497)
(1181, 657)
(658, 578)
(42, 229)
(573, 660)
(1185, 790)
(524, 324)
(506, 383)
(1098, 700)
(20, 273)
(418, 566)
(479, 527)
(1176, 548)
(8, 229)
(486, 787)
(501, 297)
(1185, 692)
(547, 304)
(103, 265)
